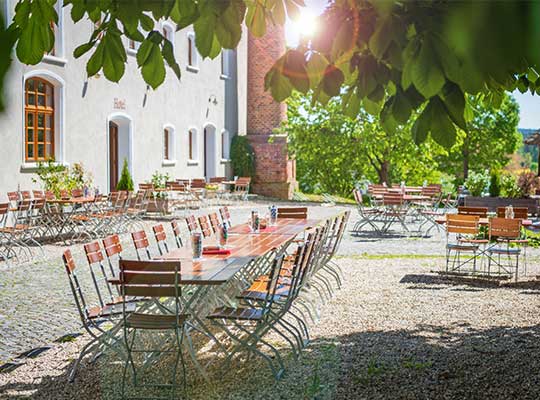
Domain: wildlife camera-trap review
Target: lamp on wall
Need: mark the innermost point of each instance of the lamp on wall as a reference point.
(211, 100)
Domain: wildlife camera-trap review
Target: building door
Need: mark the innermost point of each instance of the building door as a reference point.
(113, 156)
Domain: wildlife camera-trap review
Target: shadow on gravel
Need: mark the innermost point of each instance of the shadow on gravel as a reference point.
(479, 283)
(430, 362)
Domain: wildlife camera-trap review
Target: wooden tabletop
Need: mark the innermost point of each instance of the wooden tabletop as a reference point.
(284, 226)
(71, 200)
(408, 197)
(216, 269)
(482, 221)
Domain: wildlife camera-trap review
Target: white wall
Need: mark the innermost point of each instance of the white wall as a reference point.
(88, 103)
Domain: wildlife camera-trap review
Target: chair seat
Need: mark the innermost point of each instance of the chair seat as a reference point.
(155, 321)
(504, 250)
(476, 241)
(241, 313)
(462, 247)
(109, 310)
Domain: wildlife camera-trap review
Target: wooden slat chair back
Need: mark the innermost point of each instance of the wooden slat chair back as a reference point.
(141, 243)
(478, 211)
(191, 223)
(64, 194)
(146, 186)
(218, 179)
(519, 212)
(26, 194)
(150, 278)
(393, 199)
(4, 213)
(95, 259)
(177, 187)
(184, 182)
(462, 224)
(13, 196)
(77, 193)
(177, 233)
(292, 212)
(113, 251)
(161, 238)
(214, 222)
(504, 228)
(49, 195)
(225, 215)
(198, 183)
(206, 229)
(38, 194)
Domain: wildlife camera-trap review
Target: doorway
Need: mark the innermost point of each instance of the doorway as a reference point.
(119, 132)
(210, 151)
(113, 156)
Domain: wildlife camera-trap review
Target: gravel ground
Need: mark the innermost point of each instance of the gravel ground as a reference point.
(396, 330)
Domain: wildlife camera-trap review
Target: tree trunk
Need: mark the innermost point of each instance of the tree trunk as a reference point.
(465, 163)
(384, 173)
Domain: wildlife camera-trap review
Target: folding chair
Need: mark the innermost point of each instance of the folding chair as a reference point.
(176, 232)
(395, 210)
(246, 326)
(465, 228)
(504, 230)
(478, 211)
(225, 215)
(140, 241)
(161, 239)
(214, 223)
(92, 316)
(241, 188)
(292, 212)
(113, 251)
(367, 215)
(101, 279)
(159, 281)
(206, 229)
(191, 223)
(519, 212)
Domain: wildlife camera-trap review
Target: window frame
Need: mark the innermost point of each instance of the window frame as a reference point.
(225, 145)
(193, 53)
(57, 54)
(193, 146)
(225, 64)
(58, 119)
(168, 143)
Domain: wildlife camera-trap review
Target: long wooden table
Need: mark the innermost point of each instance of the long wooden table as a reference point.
(283, 226)
(216, 269)
(482, 221)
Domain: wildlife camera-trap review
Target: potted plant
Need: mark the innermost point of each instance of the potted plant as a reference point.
(159, 201)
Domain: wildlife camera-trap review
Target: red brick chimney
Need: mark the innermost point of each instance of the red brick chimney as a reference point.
(275, 172)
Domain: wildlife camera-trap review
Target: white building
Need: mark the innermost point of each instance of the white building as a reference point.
(183, 128)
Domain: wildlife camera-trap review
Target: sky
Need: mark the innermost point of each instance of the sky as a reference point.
(529, 105)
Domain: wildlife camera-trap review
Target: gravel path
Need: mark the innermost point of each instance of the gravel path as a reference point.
(394, 331)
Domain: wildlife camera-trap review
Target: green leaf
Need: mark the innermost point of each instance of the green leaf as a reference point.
(204, 34)
(229, 24)
(147, 23)
(332, 81)
(352, 105)
(426, 72)
(95, 62)
(401, 108)
(422, 126)
(153, 69)
(372, 107)
(442, 129)
(295, 70)
(83, 49)
(168, 54)
(114, 57)
(381, 38)
(454, 101)
(255, 19)
(278, 84)
(184, 13)
(316, 65)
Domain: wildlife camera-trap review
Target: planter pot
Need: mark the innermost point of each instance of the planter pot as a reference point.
(492, 203)
(158, 206)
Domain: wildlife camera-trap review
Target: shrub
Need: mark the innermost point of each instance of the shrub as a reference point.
(509, 187)
(495, 184)
(477, 182)
(125, 182)
(242, 157)
(527, 183)
(56, 177)
(159, 181)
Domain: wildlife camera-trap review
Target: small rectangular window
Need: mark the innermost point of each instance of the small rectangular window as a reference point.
(165, 144)
(191, 145)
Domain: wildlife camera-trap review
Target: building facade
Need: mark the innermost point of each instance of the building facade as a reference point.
(183, 128)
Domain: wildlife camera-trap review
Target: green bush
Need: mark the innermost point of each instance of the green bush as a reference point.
(509, 187)
(495, 184)
(242, 157)
(477, 182)
(125, 182)
(57, 177)
(159, 181)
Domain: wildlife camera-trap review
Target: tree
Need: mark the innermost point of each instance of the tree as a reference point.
(217, 24)
(334, 151)
(125, 182)
(393, 57)
(491, 138)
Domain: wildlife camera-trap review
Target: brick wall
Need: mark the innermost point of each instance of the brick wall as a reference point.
(275, 172)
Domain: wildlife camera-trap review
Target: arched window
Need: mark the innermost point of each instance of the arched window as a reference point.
(167, 30)
(39, 117)
(169, 144)
(193, 55)
(225, 144)
(192, 145)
